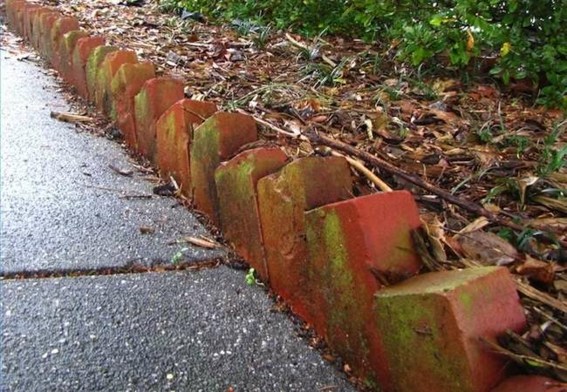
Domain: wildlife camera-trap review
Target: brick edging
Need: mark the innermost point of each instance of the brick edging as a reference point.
(331, 256)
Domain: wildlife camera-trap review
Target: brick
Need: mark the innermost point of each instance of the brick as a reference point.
(14, 14)
(283, 198)
(28, 16)
(106, 72)
(66, 49)
(530, 384)
(125, 85)
(174, 133)
(352, 244)
(236, 182)
(19, 17)
(61, 26)
(83, 49)
(214, 141)
(36, 26)
(433, 325)
(45, 24)
(11, 9)
(156, 96)
(94, 61)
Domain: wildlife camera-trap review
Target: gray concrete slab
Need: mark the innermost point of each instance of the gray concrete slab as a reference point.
(54, 213)
(176, 331)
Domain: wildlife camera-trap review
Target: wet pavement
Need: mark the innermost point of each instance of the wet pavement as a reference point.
(63, 209)
(173, 331)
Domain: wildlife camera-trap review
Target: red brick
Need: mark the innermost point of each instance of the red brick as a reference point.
(36, 23)
(62, 25)
(530, 384)
(11, 9)
(214, 141)
(351, 245)
(156, 96)
(108, 68)
(236, 182)
(125, 85)
(29, 14)
(14, 14)
(433, 325)
(174, 133)
(94, 62)
(46, 23)
(66, 48)
(19, 17)
(283, 198)
(83, 49)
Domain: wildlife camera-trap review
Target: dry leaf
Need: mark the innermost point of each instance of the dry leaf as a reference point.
(478, 224)
(487, 248)
(551, 203)
(537, 270)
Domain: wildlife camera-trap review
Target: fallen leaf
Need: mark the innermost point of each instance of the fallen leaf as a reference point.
(537, 270)
(477, 224)
(487, 248)
(551, 203)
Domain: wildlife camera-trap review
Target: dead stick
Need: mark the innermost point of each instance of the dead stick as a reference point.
(384, 165)
(70, 117)
(364, 170)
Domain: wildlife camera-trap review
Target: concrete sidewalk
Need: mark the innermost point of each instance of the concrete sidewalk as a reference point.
(63, 209)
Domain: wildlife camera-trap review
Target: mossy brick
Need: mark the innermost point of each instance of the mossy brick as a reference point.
(174, 133)
(236, 182)
(19, 17)
(29, 14)
(108, 69)
(11, 10)
(66, 48)
(46, 22)
(14, 14)
(94, 62)
(283, 198)
(525, 383)
(216, 140)
(125, 85)
(433, 325)
(60, 27)
(83, 49)
(36, 22)
(11, 6)
(353, 246)
(155, 97)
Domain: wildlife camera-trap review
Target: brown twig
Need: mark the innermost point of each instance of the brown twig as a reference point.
(70, 117)
(364, 170)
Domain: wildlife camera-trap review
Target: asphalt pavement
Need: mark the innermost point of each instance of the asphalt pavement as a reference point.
(65, 211)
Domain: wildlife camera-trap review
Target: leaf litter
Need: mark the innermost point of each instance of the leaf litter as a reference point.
(471, 140)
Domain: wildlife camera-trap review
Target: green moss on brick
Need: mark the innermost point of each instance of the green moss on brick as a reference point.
(339, 277)
(204, 159)
(142, 108)
(93, 64)
(415, 325)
